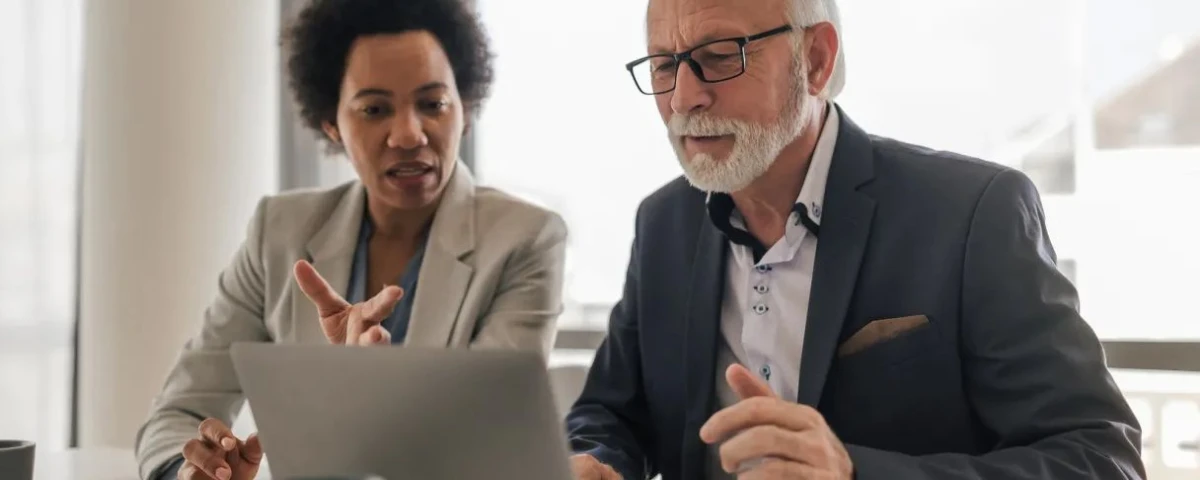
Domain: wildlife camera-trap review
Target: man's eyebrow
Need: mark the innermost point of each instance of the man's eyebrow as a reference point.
(706, 38)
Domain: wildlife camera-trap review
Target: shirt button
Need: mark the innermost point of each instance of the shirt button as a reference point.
(760, 309)
(763, 268)
(761, 288)
(765, 371)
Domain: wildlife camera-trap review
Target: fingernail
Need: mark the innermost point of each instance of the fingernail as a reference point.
(223, 473)
(228, 443)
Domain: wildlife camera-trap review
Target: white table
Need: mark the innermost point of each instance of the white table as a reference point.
(95, 464)
(87, 464)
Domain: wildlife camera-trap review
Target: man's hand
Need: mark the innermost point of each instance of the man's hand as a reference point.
(765, 437)
(343, 323)
(215, 454)
(586, 467)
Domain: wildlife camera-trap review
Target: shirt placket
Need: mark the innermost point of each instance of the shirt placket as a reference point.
(759, 329)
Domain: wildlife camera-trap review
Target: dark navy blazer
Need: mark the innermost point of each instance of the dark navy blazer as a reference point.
(1006, 382)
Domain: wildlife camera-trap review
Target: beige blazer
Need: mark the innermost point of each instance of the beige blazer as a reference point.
(491, 278)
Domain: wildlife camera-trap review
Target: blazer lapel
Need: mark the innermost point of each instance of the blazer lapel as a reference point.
(701, 327)
(331, 251)
(845, 228)
(444, 277)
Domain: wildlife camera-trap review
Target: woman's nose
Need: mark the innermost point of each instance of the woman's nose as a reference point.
(406, 133)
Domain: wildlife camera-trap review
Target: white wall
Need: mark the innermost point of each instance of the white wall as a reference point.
(179, 142)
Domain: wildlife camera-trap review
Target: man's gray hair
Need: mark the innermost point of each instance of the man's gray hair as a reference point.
(806, 13)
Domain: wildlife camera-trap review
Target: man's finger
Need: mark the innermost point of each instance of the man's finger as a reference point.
(252, 451)
(216, 433)
(318, 291)
(757, 411)
(772, 469)
(767, 441)
(745, 384)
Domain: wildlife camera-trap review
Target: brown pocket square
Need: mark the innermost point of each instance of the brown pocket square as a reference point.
(879, 331)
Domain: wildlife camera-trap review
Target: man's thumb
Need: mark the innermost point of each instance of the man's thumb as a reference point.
(745, 384)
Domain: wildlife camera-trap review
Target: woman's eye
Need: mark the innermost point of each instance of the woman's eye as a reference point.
(373, 110)
(435, 105)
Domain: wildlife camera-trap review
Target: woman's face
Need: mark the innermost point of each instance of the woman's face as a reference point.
(399, 117)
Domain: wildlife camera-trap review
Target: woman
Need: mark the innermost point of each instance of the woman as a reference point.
(413, 252)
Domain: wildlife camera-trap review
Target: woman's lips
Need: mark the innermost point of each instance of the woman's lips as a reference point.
(409, 175)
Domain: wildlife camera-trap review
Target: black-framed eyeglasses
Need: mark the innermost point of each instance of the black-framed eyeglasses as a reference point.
(712, 62)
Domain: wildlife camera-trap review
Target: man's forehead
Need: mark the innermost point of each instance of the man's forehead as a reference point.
(692, 21)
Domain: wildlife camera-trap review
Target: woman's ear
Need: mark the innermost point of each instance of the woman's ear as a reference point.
(331, 132)
(470, 110)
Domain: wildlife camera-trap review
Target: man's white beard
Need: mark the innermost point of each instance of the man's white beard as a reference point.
(755, 146)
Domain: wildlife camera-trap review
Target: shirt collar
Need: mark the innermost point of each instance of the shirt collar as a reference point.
(812, 193)
(722, 211)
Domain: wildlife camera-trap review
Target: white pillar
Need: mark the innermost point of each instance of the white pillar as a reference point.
(179, 141)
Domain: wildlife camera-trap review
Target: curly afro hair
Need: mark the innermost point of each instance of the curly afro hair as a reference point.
(320, 39)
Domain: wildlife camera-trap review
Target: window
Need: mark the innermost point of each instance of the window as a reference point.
(40, 92)
(591, 147)
(1142, 64)
(572, 132)
(1067, 268)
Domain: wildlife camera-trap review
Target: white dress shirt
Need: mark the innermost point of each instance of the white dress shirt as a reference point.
(764, 309)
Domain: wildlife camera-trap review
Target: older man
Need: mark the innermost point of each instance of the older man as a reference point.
(814, 302)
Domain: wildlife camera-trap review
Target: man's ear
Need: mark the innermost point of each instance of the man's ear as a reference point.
(331, 132)
(822, 51)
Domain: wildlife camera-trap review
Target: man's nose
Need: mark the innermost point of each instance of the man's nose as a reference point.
(691, 94)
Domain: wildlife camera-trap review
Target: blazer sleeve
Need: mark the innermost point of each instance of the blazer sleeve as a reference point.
(202, 383)
(1034, 370)
(528, 300)
(611, 420)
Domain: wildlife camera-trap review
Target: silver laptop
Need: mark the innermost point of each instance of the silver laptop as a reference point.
(402, 413)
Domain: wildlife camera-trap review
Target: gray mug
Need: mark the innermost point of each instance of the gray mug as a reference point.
(16, 460)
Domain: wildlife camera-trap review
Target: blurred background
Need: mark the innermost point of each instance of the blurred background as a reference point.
(137, 135)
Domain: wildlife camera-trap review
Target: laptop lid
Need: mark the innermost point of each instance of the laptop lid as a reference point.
(402, 412)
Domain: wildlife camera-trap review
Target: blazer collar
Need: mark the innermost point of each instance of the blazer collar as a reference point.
(453, 224)
(849, 211)
(451, 238)
(445, 274)
(453, 227)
